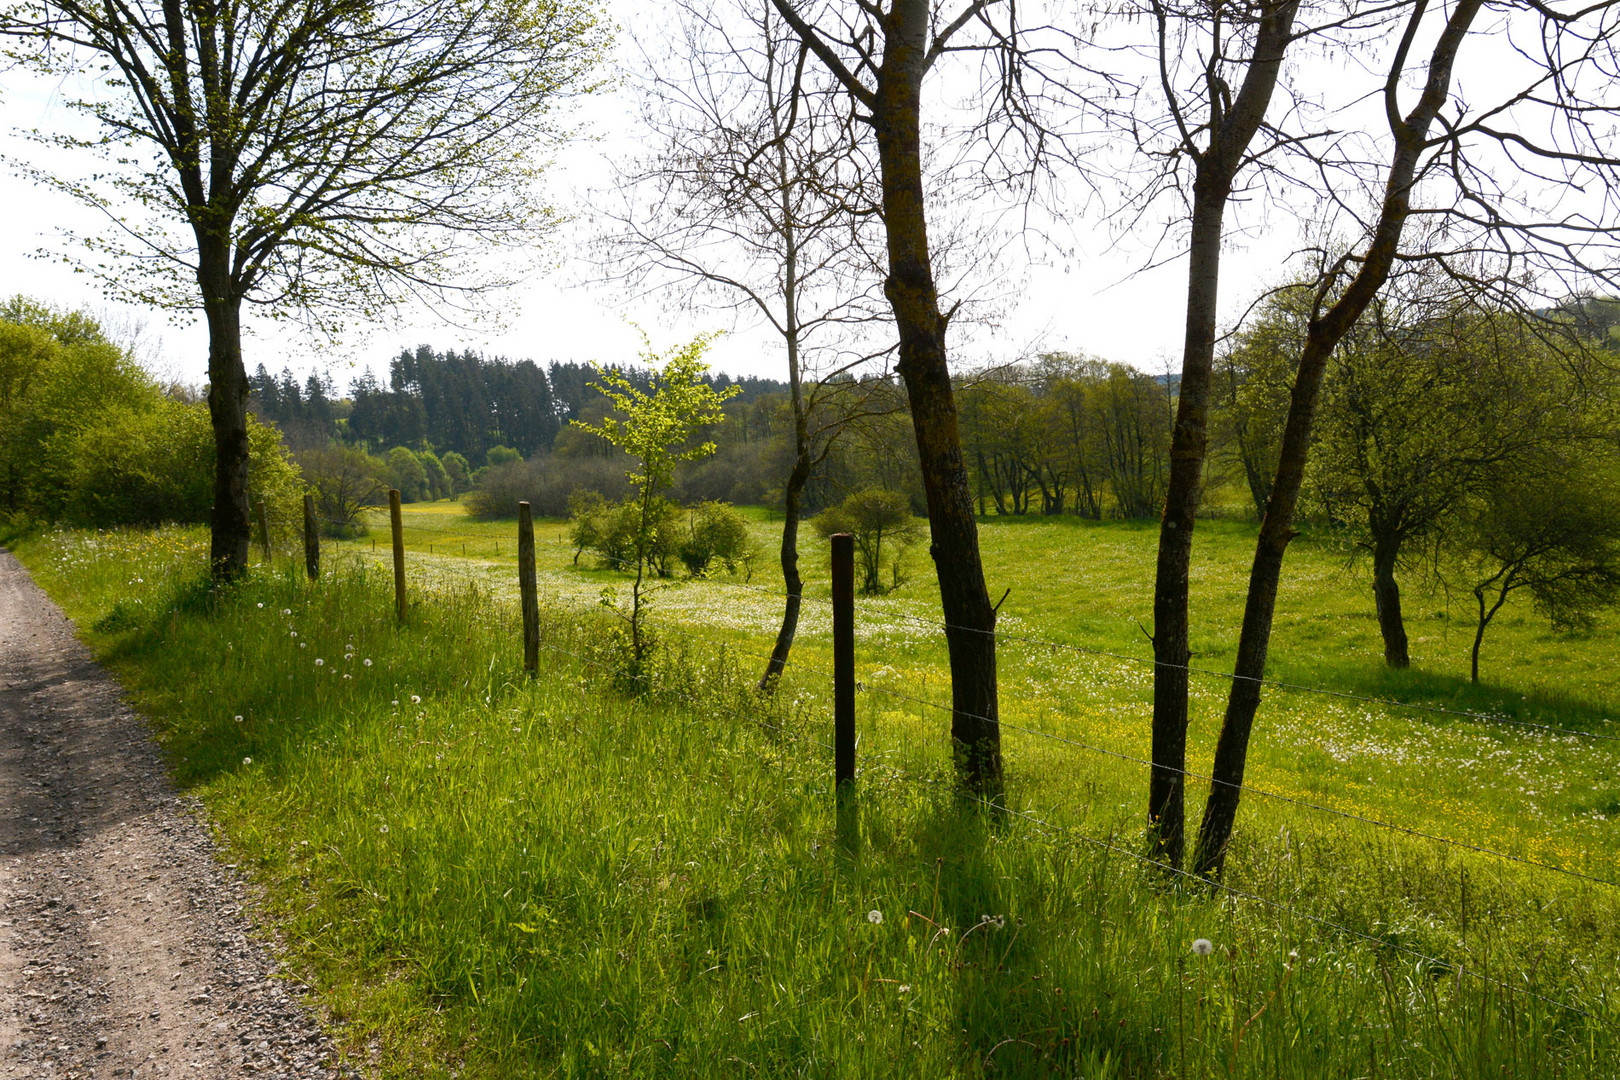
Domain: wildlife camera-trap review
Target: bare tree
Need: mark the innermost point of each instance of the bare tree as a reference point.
(1199, 136)
(323, 158)
(1491, 196)
(881, 56)
(757, 197)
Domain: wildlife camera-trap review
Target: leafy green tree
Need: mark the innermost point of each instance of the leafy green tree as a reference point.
(501, 455)
(324, 159)
(1252, 382)
(1551, 529)
(405, 472)
(153, 462)
(1418, 409)
(345, 481)
(460, 476)
(656, 427)
(872, 517)
(58, 372)
(438, 481)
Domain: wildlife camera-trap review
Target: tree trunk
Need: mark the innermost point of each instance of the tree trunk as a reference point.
(799, 475)
(1189, 443)
(1230, 136)
(232, 525)
(1323, 336)
(792, 583)
(970, 619)
(1276, 530)
(1387, 595)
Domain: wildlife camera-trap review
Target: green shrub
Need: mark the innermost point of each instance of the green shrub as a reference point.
(546, 482)
(715, 531)
(875, 516)
(154, 462)
(610, 530)
(345, 481)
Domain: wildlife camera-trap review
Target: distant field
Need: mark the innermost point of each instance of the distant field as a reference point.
(487, 876)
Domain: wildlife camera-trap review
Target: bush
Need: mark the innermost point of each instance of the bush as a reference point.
(155, 463)
(873, 516)
(546, 483)
(501, 455)
(344, 482)
(610, 529)
(715, 531)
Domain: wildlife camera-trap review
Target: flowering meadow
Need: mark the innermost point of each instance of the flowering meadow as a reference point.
(576, 875)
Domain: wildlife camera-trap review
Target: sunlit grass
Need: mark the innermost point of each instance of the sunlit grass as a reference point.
(502, 877)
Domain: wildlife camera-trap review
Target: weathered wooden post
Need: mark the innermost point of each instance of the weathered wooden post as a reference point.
(843, 598)
(399, 553)
(264, 530)
(526, 584)
(312, 540)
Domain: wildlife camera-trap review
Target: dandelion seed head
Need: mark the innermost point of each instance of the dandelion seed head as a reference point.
(874, 917)
(416, 699)
(247, 761)
(286, 611)
(238, 718)
(1203, 946)
(382, 828)
(368, 661)
(319, 662)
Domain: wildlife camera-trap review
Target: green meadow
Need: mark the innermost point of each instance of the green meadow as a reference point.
(488, 875)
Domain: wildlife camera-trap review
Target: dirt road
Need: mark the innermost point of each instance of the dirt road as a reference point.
(123, 947)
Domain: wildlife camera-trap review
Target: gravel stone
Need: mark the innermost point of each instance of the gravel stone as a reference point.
(125, 950)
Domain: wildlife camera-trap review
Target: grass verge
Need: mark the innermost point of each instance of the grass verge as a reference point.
(491, 876)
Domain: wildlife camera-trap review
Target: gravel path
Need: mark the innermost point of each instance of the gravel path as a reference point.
(123, 947)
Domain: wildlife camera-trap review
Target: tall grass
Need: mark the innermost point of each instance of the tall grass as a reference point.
(485, 875)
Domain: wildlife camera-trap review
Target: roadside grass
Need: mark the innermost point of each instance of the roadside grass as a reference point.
(485, 875)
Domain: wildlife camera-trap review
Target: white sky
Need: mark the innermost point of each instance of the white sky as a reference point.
(1100, 300)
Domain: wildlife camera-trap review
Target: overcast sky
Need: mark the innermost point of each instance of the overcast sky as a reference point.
(1102, 299)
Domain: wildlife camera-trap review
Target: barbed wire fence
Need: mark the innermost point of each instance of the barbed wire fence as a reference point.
(901, 767)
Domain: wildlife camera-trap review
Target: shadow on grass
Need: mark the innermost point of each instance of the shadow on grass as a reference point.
(1419, 688)
(1024, 1006)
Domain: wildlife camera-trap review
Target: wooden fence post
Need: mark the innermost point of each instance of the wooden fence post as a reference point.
(526, 584)
(843, 598)
(399, 553)
(312, 540)
(264, 530)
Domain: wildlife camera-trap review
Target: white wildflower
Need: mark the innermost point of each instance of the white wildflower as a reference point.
(1203, 946)
(874, 917)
